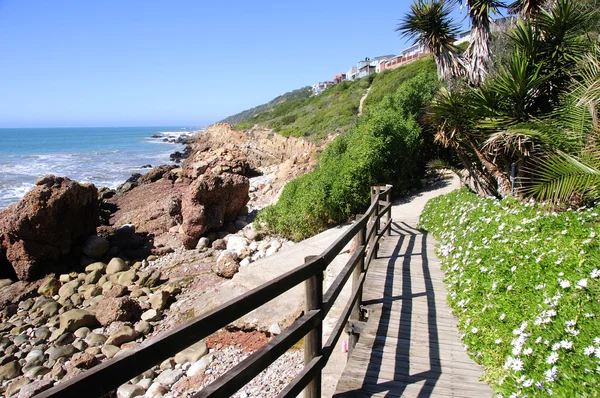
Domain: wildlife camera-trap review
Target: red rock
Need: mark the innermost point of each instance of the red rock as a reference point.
(45, 225)
(153, 208)
(212, 201)
(155, 174)
(218, 161)
(18, 291)
(226, 265)
(117, 309)
(81, 360)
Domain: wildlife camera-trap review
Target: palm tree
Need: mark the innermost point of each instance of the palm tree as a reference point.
(572, 175)
(454, 115)
(527, 8)
(429, 24)
(478, 53)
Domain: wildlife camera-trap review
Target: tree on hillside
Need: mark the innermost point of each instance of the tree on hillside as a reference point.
(429, 24)
(478, 54)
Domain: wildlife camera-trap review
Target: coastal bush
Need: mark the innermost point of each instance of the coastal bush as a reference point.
(524, 282)
(386, 147)
(388, 81)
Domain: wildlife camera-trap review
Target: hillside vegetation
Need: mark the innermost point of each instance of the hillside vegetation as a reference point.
(334, 110)
(386, 146)
(301, 114)
(244, 116)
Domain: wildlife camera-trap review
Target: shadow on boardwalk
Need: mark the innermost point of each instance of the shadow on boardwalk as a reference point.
(407, 347)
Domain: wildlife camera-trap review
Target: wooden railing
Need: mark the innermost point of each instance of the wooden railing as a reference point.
(366, 233)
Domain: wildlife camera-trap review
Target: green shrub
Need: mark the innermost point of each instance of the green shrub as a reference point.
(525, 284)
(388, 81)
(385, 147)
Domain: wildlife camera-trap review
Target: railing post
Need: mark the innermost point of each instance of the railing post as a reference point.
(388, 198)
(359, 240)
(377, 221)
(313, 343)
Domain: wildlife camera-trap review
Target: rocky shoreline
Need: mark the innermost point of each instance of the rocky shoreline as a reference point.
(89, 274)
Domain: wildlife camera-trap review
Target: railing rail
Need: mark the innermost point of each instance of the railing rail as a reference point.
(365, 232)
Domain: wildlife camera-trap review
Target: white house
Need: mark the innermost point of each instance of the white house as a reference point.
(352, 73)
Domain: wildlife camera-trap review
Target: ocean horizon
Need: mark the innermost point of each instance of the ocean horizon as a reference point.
(103, 156)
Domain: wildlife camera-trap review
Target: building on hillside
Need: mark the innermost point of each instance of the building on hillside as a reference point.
(365, 68)
(371, 65)
(320, 87)
(352, 73)
(378, 61)
(339, 78)
(407, 55)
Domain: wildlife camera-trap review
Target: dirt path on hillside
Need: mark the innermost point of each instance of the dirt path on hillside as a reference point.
(362, 101)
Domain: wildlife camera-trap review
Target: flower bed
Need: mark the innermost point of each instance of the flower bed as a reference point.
(524, 282)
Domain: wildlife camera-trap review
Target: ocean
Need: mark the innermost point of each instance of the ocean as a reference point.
(104, 156)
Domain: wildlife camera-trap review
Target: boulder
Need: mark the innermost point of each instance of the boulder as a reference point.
(14, 387)
(69, 288)
(109, 350)
(226, 265)
(116, 265)
(210, 202)
(203, 243)
(127, 278)
(154, 216)
(214, 161)
(72, 320)
(155, 174)
(156, 390)
(93, 277)
(130, 391)
(192, 354)
(61, 351)
(95, 339)
(117, 309)
(238, 244)
(151, 315)
(49, 287)
(99, 266)
(169, 377)
(159, 300)
(95, 247)
(10, 370)
(46, 224)
(82, 360)
(122, 335)
(31, 389)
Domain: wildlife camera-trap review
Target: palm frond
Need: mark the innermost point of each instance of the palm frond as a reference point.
(429, 23)
(527, 8)
(561, 177)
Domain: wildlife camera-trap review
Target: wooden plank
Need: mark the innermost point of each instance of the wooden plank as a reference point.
(340, 281)
(410, 344)
(313, 339)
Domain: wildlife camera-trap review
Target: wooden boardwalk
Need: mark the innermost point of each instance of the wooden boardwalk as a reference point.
(410, 345)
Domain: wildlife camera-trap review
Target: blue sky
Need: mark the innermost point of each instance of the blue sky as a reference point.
(178, 62)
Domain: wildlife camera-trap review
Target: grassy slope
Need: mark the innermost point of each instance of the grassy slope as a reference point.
(525, 284)
(311, 116)
(300, 114)
(386, 146)
(244, 116)
(386, 82)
